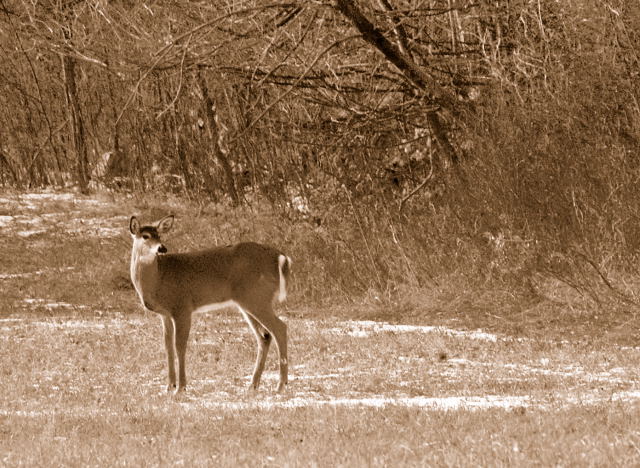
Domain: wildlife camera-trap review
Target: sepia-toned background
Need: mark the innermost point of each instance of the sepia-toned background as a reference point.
(431, 167)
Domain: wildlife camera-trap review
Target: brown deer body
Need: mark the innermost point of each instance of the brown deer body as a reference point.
(250, 275)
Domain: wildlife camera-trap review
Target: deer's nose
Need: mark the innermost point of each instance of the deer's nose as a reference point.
(162, 249)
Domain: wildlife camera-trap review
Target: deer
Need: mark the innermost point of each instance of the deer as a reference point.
(249, 275)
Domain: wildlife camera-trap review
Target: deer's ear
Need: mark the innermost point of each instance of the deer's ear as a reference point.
(134, 225)
(165, 224)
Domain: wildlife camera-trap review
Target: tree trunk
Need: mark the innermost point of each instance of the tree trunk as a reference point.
(219, 152)
(76, 126)
(410, 70)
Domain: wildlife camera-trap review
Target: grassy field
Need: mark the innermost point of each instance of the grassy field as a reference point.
(83, 373)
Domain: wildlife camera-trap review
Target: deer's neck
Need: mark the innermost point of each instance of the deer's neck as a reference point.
(144, 276)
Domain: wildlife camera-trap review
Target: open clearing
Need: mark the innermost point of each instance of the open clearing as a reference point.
(83, 374)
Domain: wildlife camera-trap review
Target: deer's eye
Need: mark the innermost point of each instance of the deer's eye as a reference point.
(146, 236)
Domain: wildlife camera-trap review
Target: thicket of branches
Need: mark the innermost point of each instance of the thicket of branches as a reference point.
(415, 137)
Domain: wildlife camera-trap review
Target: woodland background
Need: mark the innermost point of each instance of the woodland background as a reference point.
(447, 154)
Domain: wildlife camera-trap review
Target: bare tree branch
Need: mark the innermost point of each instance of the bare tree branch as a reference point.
(409, 69)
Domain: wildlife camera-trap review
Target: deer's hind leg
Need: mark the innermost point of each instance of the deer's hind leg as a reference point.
(256, 301)
(278, 328)
(263, 340)
(264, 315)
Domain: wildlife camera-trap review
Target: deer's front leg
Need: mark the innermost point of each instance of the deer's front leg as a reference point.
(169, 344)
(182, 326)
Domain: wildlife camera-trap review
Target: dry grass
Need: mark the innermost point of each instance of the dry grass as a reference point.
(83, 374)
(90, 392)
